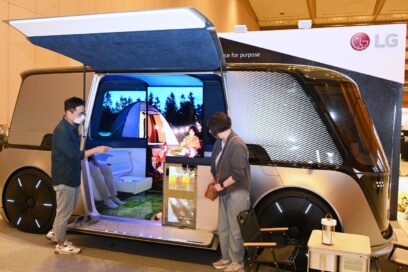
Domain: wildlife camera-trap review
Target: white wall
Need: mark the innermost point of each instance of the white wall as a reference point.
(18, 55)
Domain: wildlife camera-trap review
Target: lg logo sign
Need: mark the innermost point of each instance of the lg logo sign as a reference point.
(361, 41)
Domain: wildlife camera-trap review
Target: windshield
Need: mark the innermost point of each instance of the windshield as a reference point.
(341, 100)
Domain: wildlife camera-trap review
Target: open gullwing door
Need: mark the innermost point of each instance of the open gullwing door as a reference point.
(179, 39)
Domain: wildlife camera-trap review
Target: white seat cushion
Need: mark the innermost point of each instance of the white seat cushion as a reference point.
(121, 164)
(133, 184)
(120, 161)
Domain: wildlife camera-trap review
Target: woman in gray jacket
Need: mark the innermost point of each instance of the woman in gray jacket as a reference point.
(231, 173)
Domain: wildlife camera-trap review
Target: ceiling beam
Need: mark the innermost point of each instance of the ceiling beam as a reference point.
(248, 7)
(311, 6)
(377, 9)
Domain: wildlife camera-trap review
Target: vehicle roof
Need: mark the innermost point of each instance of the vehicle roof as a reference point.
(54, 70)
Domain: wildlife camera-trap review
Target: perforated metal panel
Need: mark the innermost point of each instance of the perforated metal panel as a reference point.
(272, 109)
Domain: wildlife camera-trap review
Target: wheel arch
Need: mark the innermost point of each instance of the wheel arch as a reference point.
(301, 192)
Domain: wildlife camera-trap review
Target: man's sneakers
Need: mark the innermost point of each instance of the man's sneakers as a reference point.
(67, 248)
(221, 264)
(51, 236)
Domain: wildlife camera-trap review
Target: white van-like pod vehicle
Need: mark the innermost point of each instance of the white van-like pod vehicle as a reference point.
(313, 147)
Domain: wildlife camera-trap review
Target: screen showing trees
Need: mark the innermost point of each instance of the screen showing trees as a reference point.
(175, 122)
(171, 120)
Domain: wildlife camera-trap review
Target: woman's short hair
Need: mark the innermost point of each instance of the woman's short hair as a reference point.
(218, 122)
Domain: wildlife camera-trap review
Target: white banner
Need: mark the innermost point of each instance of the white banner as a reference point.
(377, 50)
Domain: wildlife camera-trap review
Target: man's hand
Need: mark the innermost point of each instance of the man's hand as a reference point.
(102, 149)
(98, 149)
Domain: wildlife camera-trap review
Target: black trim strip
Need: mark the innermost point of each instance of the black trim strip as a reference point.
(30, 147)
(189, 161)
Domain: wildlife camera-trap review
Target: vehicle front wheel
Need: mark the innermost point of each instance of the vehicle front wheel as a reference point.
(29, 201)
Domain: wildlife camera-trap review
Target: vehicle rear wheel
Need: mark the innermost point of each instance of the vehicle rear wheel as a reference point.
(298, 210)
(29, 201)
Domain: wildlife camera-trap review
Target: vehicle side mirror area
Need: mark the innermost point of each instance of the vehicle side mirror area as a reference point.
(257, 154)
(46, 142)
(3, 136)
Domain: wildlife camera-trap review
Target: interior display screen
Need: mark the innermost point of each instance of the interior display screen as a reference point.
(171, 118)
(122, 114)
(175, 122)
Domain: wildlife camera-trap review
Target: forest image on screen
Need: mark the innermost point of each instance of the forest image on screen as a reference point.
(174, 119)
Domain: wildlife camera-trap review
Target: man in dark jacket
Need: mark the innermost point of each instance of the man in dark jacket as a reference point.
(66, 159)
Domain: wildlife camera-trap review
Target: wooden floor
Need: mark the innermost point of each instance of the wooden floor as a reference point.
(30, 252)
(24, 252)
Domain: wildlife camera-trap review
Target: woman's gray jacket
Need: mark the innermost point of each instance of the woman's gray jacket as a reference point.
(233, 162)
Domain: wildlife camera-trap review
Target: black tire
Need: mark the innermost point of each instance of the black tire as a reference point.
(300, 211)
(29, 201)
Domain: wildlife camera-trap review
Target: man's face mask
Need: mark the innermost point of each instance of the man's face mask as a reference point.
(79, 120)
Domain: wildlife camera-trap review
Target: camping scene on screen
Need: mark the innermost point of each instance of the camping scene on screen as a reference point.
(174, 119)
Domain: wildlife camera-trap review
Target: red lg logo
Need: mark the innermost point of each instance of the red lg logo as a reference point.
(360, 41)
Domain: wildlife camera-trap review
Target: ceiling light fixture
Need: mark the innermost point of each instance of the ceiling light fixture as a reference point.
(304, 24)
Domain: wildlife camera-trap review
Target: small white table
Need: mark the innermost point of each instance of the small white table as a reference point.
(349, 253)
